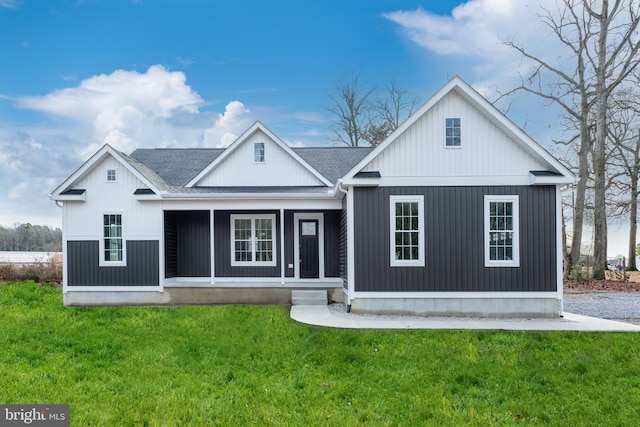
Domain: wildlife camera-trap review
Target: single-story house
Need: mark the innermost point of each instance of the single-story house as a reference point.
(457, 212)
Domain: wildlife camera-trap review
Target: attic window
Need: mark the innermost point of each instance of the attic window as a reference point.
(258, 152)
(111, 175)
(452, 132)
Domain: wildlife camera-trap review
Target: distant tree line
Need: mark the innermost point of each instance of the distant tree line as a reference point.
(30, 238)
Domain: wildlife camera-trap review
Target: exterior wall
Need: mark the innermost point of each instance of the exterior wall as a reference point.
(279, 168)
(141, 270)
(486, 151)
(187, 244)
(454, 242)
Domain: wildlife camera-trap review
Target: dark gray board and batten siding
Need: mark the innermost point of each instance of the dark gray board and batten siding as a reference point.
(141, 269)
(454, 242)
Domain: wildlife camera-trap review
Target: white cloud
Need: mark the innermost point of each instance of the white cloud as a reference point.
(475, 31)
(127, 110)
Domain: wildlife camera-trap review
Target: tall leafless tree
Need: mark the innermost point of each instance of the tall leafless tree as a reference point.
(363, 116)
(601, 38)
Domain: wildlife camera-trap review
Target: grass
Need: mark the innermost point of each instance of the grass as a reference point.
(251, 365)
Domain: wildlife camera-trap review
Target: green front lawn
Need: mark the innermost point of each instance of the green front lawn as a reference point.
(253, 365)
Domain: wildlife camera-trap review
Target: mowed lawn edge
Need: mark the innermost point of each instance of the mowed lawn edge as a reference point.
(253, 365)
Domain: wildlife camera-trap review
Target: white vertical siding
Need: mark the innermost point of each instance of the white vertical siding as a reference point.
(83, 220)
(279, 168)
(486, 151)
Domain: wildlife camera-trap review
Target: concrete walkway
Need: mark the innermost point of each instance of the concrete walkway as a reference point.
(323, 316)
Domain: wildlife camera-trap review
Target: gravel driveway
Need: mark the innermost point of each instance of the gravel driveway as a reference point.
(623, 306)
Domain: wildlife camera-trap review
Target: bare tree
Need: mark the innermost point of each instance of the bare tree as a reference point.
(604, 44)
(350, 110)
(359, 118)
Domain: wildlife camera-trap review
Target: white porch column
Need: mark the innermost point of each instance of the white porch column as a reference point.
(351, 264)
(282, 260)
(213, 246)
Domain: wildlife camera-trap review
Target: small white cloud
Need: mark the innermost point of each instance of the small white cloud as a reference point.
(228, 126)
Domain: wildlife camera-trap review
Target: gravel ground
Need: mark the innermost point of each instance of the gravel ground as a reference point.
(624, 306)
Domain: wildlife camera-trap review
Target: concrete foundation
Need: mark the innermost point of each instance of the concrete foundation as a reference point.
(461, 307)
(192, 296)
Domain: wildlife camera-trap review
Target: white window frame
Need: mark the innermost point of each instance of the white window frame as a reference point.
(392, 231)
(102, 261)
(115, 175)
(515, 261)
(255, 153)
(253, 262)
(446, 138)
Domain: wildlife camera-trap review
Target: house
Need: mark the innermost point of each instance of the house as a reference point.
(457, 212)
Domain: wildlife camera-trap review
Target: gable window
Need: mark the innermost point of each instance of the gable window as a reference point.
(407, 231)
(502, 231)
(258, 152)
(452, 132)
(112, 247)
(253, 240)
(111, 175)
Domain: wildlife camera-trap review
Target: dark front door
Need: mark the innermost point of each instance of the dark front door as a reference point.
(309, 251)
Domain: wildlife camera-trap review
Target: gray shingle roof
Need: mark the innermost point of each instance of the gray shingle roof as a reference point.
(172, 168)
(176, 166)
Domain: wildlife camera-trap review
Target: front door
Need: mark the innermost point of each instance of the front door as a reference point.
(309, 250)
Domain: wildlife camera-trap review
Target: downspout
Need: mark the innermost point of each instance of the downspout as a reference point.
(346, 193)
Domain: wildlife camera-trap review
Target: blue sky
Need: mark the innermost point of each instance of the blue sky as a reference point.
(75, 74)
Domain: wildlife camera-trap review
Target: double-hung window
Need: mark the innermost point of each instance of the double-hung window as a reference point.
(453, 137)
(407, 231)
(112, 243)
(253, 240)
(501, 231)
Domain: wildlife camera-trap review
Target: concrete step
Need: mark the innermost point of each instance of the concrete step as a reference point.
(309, 297)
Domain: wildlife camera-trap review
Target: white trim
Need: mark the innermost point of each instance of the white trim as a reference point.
(296, 242)
(282, 254)
(274, 247)
(440, 295)
(112, 288)
(101, 261)
(212, 244)
(393, 199)
(559, 248)
(515, 262)
(351, 246)
(445, 181)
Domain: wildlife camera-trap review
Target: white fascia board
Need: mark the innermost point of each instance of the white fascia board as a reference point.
(362, 182)
(238, 142)
(253, 196)
(453, 181)
(88, 166)
(550, 180)
(70, 198)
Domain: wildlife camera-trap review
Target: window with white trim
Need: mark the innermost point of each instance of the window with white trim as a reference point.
(111, 175)
(258, 152)
(253, 240)
(113, 245)
(453, 136)
(407, 231)
(502, 231)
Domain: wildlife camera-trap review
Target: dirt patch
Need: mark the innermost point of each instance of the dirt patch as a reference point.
(602, 286)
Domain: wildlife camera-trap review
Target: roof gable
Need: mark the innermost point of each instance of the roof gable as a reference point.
(146, 176)
(236, 167)
(492, 145)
